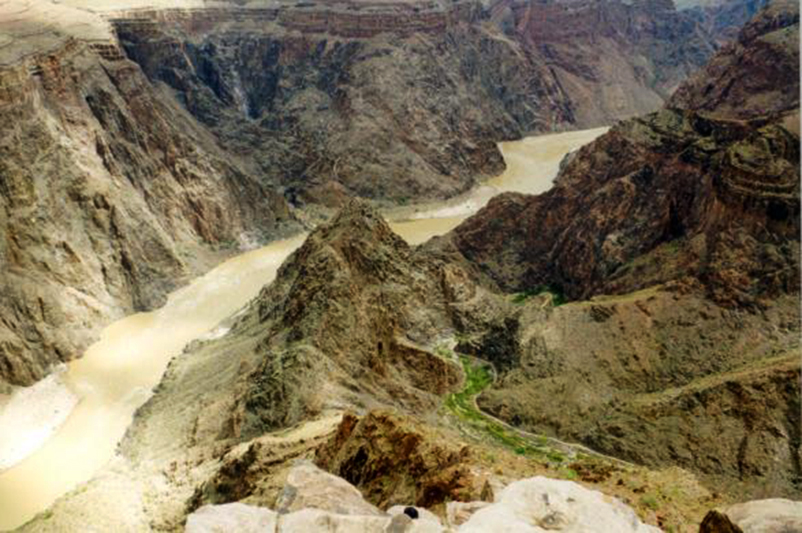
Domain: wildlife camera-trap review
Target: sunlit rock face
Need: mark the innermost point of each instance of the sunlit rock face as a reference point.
(106, 189)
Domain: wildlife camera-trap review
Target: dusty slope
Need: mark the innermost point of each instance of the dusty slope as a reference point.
(664, 378)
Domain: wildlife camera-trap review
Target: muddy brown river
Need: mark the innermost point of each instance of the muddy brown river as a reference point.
(60, 432)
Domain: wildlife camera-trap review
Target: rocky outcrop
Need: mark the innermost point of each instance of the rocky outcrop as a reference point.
(394, 459)
(656, 199)
(351, 309)
(541, 504)
(231, 517)
(765, 516)
(530, 505)
(676, 181)
(755, 76)
(308, 486)
(110, 196)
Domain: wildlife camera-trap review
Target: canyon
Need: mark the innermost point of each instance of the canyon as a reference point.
(115, 375)
(683, 261)
(162, 137)
(631, 326)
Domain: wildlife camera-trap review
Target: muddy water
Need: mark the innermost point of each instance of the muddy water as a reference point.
(117, 373)
(532, 164)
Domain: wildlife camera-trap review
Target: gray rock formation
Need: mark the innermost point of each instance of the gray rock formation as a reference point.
(115, 187)
(232, 517)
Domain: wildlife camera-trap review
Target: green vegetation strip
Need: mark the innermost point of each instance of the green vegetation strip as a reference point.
(557, 296)
(463, 405)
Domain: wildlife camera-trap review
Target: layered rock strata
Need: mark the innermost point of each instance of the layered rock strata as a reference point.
(676, 236)
(111, 195)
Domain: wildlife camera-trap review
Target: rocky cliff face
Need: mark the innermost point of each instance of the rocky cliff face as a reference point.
(670, 224)
(658, 198)
(755, 76)
(684, 180)
(407, 101)
(722, 19)
(613, 59)
(107, 193)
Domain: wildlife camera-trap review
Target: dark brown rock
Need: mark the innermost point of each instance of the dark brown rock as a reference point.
(672, 194)
(716, 522)
(396, 460)
(755, 76)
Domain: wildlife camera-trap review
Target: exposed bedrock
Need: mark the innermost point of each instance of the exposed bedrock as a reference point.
(110, 196)
(116, 186)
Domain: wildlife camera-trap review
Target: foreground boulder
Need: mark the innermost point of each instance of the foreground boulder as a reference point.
(308, 486)
(541, 504)
(760, 516)
(231, 517)
(529, 505)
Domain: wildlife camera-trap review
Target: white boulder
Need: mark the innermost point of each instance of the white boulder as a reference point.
(232, 517)
(309, 486)
(457, 513)
(540, 504)
(774, 515)
(320, 521)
